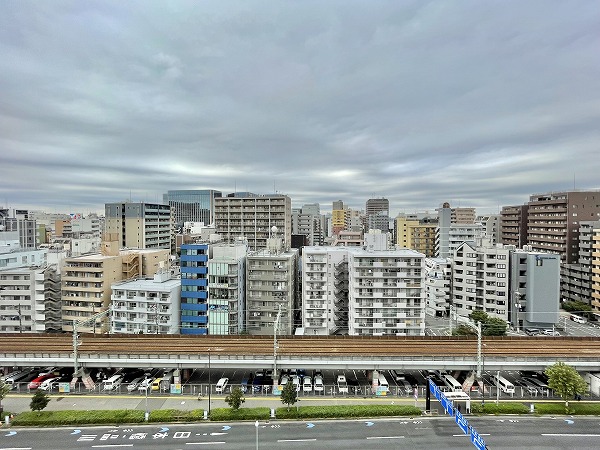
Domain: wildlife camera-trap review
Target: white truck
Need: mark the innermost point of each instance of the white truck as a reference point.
(342, 384)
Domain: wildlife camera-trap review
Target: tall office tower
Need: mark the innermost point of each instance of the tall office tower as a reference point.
(271, 289)
(378, 214)
(576, 279)
(253, 217)
(226, 288)
(146, 305)
(87, 281)
(534, 289)
(416, 234)
(30, 299)
(513, 225)
(139, 225)
(16, 223)
(553, 221)
(596, 271)
(480, 279)
(192, 205)
(194, 288)
(353, 291)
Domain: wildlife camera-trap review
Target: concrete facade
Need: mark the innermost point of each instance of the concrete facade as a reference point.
(139, 225)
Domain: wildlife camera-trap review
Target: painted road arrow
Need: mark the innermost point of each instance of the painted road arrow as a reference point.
(76, 432)
(164, 429)
(569, 422)
(11, 433)
(310, 425)
(226, 427)
(369, 424)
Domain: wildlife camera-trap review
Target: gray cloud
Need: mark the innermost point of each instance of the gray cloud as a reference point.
(476, 103)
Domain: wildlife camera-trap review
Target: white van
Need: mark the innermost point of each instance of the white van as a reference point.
(221, 385)
(47, 384)
(319, 383)
(113, 382)
(307, 384)
(133, 385)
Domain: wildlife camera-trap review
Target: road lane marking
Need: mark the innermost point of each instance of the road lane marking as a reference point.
(205, 443)
(570, 435)
(112, 445)
(295, 440)
(468, 435)
(385, 437)
(16, 448)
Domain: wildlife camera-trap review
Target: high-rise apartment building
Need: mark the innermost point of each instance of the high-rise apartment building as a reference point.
(16, 223)
(596, 271)
(576, 279)
(363, 293)
(253, 217)
(226, 288)
(554, 218)
(437, 286)
(480, 279)
(271, 289)
(29, 299)
(463, 215)
(513, 225)
(194, 288)
(307, 221)
(139, 225)
(87, 281)
(146, 305)
(378, 214)
(192, 205)
(416, 234)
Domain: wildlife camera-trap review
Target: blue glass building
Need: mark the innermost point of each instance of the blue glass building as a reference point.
(194, 289)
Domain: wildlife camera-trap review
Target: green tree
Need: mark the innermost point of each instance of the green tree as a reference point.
(235, 398)
(565, 381)
(39, 400)
(4, 389)
(464, 330)
(494, 327)
(576, 306)
(479, 316)
(289, 396)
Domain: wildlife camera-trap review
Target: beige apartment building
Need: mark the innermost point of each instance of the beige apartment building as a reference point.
(253, 217)
(86, 281)
(139, 225)
(513, 225)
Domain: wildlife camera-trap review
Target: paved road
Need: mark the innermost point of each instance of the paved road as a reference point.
(418, 433)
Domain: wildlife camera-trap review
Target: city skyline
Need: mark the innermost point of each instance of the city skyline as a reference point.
(476, 104)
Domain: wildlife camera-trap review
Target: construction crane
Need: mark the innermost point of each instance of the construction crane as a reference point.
(77, 342)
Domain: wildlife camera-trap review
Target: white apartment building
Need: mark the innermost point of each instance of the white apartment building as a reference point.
(437, 286)
(146, 305)
(226, 288)
(480, 279)
(29, 300)
(270, 287)
(363, 293)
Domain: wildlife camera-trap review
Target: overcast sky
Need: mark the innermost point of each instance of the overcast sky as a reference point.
(478, 103)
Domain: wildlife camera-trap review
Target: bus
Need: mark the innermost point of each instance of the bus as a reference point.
(506, 386)
(452, 384)
(383, 383)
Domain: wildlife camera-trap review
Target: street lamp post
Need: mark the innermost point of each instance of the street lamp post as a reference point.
(209, 382)
(147, 415)
(517, 309)
(256, 426)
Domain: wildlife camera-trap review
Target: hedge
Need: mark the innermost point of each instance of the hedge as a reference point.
(328, 412)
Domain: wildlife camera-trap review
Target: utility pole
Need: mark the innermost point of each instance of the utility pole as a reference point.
(77, 342)
(479, 357)
(275, 346)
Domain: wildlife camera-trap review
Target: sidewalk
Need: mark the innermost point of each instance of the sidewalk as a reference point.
(17, 403)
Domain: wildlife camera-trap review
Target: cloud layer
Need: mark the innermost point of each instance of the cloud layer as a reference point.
(476, 103)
